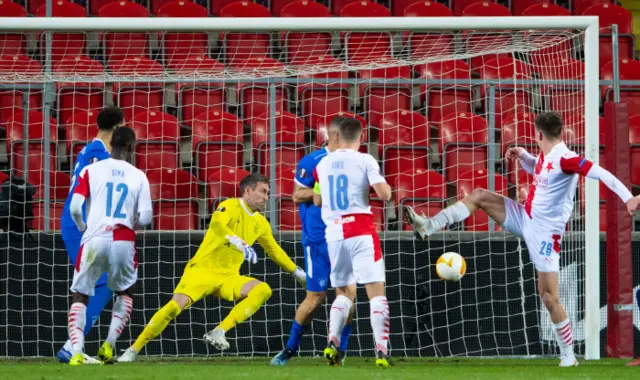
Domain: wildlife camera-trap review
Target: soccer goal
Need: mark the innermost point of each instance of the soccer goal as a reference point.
(212, 99)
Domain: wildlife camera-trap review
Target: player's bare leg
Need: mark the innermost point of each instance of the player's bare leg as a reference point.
(548, 289)
(492, 203)
(156, 325)
(340, 312)
(379, 321)
(253, 295)
(119, 318)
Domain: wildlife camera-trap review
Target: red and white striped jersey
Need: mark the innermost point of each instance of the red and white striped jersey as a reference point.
(116, 192)
(345, 177)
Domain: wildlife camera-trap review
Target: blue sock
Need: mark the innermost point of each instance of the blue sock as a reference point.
(100, 299)
(344, 337)
(294, 336)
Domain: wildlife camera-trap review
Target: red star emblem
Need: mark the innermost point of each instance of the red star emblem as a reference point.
(549, 166)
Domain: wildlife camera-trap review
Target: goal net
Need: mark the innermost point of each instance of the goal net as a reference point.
(441, 100)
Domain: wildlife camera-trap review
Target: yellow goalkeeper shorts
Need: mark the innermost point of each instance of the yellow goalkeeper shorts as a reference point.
(197, 283)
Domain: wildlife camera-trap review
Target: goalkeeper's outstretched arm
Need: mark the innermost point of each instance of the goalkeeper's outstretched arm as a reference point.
(280, 257)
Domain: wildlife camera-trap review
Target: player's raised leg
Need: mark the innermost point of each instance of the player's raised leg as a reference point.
(253, 294)
(548, 290)
(492, 203)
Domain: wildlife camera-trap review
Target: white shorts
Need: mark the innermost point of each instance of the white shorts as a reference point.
(543, 245)
(356, 259)
(96, 256)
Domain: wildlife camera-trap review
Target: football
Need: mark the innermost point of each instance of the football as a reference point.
(451, 266)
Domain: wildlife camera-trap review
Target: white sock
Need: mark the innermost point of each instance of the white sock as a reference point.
(380, 322)
(452, 214)
(338, 318)
(67, 345)
(77, 320)
(564, 336)
(119, 318)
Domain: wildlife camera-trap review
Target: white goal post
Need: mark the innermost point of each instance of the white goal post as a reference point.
(581, 29)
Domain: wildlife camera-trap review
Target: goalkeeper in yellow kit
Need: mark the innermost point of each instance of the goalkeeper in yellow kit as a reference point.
(215, 269)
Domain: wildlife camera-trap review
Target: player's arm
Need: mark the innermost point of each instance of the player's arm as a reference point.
(303, 182)
(80, 194)
(279, 256)
(376, 180)
(219, 226)
(527, 161)
(586, 168)
(144, 212)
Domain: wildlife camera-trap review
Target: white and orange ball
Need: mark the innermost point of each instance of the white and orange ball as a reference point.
(451, 266)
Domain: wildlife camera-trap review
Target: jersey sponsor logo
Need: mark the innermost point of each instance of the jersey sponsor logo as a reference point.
(346, 220)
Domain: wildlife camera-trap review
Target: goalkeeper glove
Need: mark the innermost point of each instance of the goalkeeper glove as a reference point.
(300, 276)
(249, 253)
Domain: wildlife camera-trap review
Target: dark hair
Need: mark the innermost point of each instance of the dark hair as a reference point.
(123, 140)
(109, 117)
(350, 129)
(336, 121)
(550, 124)
(252, 180)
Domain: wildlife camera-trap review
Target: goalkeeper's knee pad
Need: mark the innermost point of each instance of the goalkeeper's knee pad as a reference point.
(261, 292)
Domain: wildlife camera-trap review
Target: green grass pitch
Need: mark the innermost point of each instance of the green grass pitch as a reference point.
(314, 368)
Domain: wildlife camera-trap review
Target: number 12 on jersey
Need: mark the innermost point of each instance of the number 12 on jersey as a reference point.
(338, 186)
(121, 189)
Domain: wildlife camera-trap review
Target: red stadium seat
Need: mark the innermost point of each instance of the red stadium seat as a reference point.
(175, 199)
(217, 141)
(460, 5)
(424, 190)
(254, 98)
(518, 129)
(218, 5)
(399, 7)
(55, 213)
(121, 46)
(443, 99)
(543, 9)
(319, 99)
(518, 7)
(478, 42)
(424, 45)
(81, 129)
(403, 143)
(579, 6)
(553, 46)
(469, 181)
(74, 97)
(94, 5)
(568, 101)
(629, 70)
(337, 5)
(58, 185)
(64, 44)
(224, 183)
(288, 215)
(197, 97)
(634, 140)
(463, 144)
(239, 47)
(157, 141)
(34, 142)
(380, 99)
(134, 97)
(13, 43)
(289, 140)
(321, 127)
(379, 216)
(11, 100)
(300, 47)
(366, 47)
(610, 14)
(508, 99)
(179, 46)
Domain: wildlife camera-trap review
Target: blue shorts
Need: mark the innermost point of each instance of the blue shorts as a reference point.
(318, 267)
(72, 241)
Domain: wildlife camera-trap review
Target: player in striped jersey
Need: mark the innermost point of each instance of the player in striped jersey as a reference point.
(109, 119)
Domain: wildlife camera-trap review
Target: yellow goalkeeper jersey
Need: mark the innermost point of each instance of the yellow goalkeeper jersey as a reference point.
(233, 217)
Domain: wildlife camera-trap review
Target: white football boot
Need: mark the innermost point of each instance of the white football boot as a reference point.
(89, 360)
(216, 338)
(129, 356)
(568, 360)
(421, 225)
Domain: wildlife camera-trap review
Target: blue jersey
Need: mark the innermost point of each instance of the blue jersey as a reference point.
(94, 151)
(312, 225)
